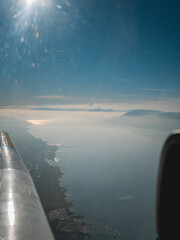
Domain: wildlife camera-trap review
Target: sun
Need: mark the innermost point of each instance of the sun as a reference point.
(30, 2)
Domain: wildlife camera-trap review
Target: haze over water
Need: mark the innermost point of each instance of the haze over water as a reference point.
(110, 165)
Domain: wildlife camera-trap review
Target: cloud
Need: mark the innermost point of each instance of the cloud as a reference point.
(165, 104)
(160, 90)
(116, 102)
(58, 97)
(70, 98)
(75, 109)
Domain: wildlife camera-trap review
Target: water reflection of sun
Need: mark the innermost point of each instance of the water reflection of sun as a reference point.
(39, 122)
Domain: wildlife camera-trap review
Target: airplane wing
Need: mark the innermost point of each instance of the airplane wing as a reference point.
(21, 214)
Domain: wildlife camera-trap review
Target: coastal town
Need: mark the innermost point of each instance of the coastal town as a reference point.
(68, 226)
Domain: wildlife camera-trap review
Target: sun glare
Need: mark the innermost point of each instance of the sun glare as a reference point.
(30, 2)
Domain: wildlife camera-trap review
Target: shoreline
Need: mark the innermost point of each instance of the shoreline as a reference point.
(36, 154)
(47, 180)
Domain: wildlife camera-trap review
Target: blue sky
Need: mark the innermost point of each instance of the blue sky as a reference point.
(121, 50)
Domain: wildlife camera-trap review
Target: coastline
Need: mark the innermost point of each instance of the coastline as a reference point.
(38, 156)
(47, 179)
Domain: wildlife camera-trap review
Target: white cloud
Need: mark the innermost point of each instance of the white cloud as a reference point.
(162, 104)
(160, 90)
(70, 98)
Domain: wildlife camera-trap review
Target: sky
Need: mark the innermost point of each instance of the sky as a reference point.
(86, 52)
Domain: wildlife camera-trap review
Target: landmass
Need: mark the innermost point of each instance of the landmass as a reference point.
(36, 153)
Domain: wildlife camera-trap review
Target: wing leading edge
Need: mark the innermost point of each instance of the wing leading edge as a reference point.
(21, 213)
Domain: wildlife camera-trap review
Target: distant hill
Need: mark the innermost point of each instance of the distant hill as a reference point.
(145, 112)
